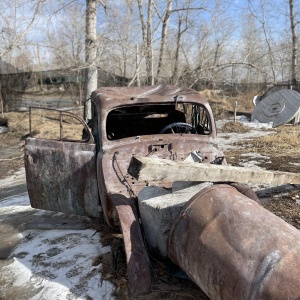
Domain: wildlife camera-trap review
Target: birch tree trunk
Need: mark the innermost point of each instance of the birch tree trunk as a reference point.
(90, 55)
(294, 43)
(178, 44)
(147, 39)
(164, 36)
(149, 49)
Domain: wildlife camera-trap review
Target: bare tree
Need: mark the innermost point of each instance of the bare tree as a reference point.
(123, 43)
(294, 43)
(252, 50)
(178, 41)
(214, 50)
(91, 77)
(182, 27)
(262, 20)
(165, 23)
(14, 28)
(66, 38)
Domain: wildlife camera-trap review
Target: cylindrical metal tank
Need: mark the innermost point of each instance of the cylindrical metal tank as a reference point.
(233, 248)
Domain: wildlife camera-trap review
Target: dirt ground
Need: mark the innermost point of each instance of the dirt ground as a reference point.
(169, 283)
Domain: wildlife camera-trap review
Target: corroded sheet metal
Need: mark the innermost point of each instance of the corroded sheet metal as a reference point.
(113, 164)
(62, 176)
(138, 266)
(247, 191)
(108, 98)
(115, 155)
(233, 248)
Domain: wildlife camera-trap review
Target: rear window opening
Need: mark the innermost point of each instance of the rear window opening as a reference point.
(138, 120)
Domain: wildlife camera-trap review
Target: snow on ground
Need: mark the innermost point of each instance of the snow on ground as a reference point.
(227, 140)
(48, 262)
(17, 178)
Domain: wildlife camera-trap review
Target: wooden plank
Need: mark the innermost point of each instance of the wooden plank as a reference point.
(155, 169)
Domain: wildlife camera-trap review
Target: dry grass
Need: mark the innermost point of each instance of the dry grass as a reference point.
(280, 148)
(286, 207)
(45, 124)
(237, 127)
(285, 141)
(225, 106)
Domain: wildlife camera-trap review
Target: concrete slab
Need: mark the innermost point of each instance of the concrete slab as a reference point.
(159, 207)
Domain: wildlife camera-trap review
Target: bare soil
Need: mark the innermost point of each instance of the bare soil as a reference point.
(168, 282)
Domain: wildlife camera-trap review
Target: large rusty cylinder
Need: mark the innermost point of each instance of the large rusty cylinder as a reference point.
(233, 248)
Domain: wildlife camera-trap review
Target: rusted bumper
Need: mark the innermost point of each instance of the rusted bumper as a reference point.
(233, 248)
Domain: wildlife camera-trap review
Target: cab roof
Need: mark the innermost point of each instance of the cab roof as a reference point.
(110, 97)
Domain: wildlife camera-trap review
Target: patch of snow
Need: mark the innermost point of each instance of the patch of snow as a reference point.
(248, 163)
(3, 129)
(255, 123)
(255, 155)
(59, 262)
(54, 263)
(17, 178)
(243, 119)
(294, 163)
(15, 202)
(253, 164)
(227, 140)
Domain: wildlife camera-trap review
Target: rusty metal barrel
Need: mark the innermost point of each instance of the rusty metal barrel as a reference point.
(233, 248)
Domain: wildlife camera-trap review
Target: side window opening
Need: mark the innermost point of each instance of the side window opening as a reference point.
(141, 120)
(200, 120)
(58, 125)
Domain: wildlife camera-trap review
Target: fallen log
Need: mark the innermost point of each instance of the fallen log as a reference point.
(163, 170)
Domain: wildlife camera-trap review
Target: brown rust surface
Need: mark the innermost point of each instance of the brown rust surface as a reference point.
(107, 99)
(115, 155)
(66, 172)
(62, 176)
(138, 265)
(233, 248)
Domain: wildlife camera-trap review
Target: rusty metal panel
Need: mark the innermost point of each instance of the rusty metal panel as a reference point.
(138, 264)
(115, 155)
(233, 248)
(108, 98)
(115, 161)
(61, 176)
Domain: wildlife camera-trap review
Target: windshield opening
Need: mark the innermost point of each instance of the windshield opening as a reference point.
(138, 120)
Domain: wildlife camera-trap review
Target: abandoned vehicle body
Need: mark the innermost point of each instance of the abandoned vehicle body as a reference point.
(91, 176)
(161, 121)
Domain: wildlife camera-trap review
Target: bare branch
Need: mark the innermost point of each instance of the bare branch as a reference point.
(188, 9)
(18, 38)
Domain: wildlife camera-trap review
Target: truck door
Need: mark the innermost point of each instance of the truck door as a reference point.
(60, 163)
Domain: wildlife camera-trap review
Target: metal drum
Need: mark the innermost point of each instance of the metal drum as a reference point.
(233, 248)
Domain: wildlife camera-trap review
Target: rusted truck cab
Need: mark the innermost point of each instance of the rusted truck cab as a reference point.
(165, 122)
(90, 176)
